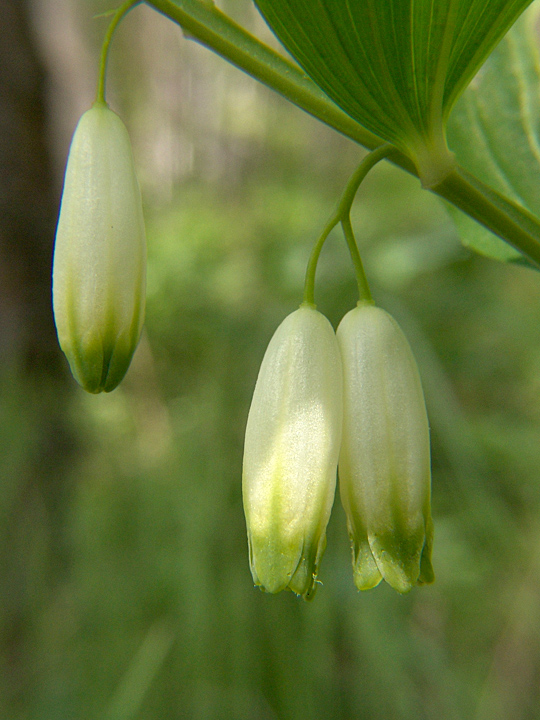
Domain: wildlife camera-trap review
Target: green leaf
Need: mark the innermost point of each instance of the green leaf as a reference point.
(494, 131)
(395, 66)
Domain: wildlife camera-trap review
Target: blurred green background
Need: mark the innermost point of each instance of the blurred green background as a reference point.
(125, 589)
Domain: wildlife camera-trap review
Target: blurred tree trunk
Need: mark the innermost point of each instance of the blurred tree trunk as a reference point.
(27, 200)
(34, 435)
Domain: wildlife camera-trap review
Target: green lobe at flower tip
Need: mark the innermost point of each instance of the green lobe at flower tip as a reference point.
(400, 556)
(98, 363)
(366, 574)
(279, 564)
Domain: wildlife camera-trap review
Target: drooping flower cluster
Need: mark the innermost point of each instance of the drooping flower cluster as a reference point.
(357, 400)
(322, 400)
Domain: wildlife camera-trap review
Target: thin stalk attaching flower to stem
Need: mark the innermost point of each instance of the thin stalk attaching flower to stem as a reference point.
(364, 293)
(119, 14)
(342, 215)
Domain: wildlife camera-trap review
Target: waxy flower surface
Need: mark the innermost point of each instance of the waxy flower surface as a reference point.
(291, 452)
(384, 465)
(99, 270)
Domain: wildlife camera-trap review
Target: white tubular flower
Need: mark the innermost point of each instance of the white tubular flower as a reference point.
(384, 464)
(291, 453)
(99, 269)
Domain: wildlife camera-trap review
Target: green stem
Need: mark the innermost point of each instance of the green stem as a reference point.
(119, 14)
(211, 27)
(342, 214)
(509, 221)
(345, 204)
(309, 283)
(364, 293)
(214, 29)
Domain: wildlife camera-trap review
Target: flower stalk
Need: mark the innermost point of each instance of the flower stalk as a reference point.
(342, 215)
(118, 16)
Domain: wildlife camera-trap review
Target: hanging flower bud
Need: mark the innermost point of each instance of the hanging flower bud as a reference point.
(99, 270)
(291, 452)
(384, 465)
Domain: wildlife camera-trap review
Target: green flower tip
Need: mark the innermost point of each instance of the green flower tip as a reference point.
(403, 560)
(278, 565)
(100, 362)
(99, 267)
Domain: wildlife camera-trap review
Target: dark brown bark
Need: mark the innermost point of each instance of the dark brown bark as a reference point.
(37, 442)
(28, 201)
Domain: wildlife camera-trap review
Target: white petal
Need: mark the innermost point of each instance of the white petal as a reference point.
(99, 271)
(291, 451)
(384, 465)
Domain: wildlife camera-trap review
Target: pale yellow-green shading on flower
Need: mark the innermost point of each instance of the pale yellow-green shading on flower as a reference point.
(291, 452)
(99, 269)
(384, 464)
